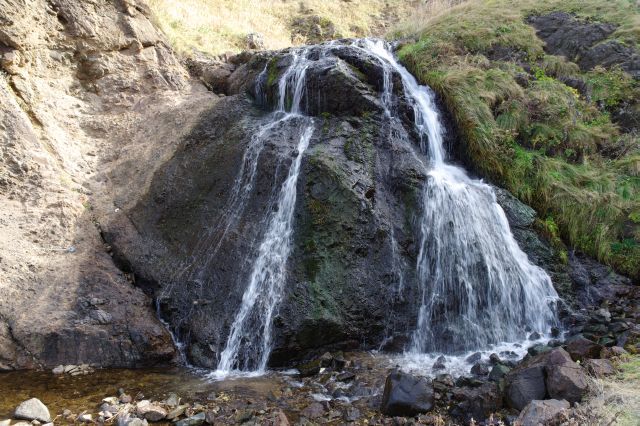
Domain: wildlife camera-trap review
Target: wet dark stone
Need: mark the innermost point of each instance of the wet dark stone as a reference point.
(476, 403)
(538, 349)
(498, 372)
(472, 359)
(406, 395)
(480, 369)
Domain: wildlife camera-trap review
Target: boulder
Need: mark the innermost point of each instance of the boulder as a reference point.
(525, 384)
(406, 395)
(216, 78)
(564, 378)
(540, 413)
(477, 403)
(498, 372)
(580, 349)
(599, 367)
(33, 409)
(552, 374)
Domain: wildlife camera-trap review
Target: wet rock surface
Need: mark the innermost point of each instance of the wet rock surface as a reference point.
(406, 395)
(357, 186)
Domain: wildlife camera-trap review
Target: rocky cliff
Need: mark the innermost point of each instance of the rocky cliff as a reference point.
(92, 99)
(117, 178)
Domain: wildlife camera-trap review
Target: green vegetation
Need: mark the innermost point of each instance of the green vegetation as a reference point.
(523, 128)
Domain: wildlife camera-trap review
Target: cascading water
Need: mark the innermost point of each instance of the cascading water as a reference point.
(249, 342)
(478, 287)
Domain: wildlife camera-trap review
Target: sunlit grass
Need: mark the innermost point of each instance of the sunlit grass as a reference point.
(542, 140)
(217, 26)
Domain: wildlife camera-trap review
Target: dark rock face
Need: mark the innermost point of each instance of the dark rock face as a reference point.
(357, 196)
(551, 374)
(406, 395)
(581, 42)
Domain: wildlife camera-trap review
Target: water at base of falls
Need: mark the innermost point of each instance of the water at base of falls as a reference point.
(478, 289)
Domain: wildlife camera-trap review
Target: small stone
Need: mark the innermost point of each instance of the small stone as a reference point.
(480, 369)
(498, 372)
(112, 400)
(150, 411)
(5, 422)
(58, 370)
(535, 336)
(85, 418)
(196, 420)
(440, 363)
(494, 358)
(538, 349)
(177, 412)
(33, 409)
(351, 414)
(125, 399)
(313, 411)
(243, 416)
(345, 377)
(172, 400)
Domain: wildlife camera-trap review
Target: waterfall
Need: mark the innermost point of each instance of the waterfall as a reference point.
(250, 337)
(478, 287)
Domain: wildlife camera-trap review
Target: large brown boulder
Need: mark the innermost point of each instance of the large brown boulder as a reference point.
(580, 349)
(564, 378)
(551, 374)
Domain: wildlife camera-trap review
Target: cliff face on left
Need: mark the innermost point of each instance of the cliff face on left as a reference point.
(91, 101)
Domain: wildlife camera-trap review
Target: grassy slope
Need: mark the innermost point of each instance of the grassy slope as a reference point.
(544, 142)
(216, 26)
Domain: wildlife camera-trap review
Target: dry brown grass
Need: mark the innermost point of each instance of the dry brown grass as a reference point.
(422, 14)
(612, 400)
(216, 26)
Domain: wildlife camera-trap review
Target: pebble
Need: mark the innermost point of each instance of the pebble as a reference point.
(33, 409)
(85, 418)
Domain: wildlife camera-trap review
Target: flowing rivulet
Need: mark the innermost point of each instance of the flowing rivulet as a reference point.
(478, 286)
